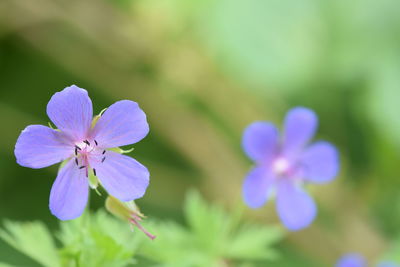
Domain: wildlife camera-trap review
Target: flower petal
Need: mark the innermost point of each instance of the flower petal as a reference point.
(257, 187)
(122, 176)
(123, 123)
(71, 111)
(351, 260)
(295, 207)
(320, 162)
(39, 146)
(260, 140)
(70, 191)
(300, 126)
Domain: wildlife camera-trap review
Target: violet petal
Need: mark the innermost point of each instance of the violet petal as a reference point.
(320, 162)
(123, 123)
(300, 126)
(71, 111)
(39, 146)
(295, 207)
(260, 140)
(258, 186)
(122, 176)
(70, 191)
(351, 260)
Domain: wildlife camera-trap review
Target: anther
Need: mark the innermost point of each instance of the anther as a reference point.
(76, 161)
(103, 159)
(104, 152)
(76, 151)
(95, 142)
(87, 142)
(94, 172)
(77, 147)
(81, 167)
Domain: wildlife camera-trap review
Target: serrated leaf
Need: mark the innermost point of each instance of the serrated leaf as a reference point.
(32, 239)
(98, 240)
(212, 237)
(209, 223)
(171, 245)
(253, 242)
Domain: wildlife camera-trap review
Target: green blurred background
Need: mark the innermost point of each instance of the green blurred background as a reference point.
(202, 71)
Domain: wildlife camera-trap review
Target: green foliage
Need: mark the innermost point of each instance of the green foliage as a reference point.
(212, 238)
(32, 239)
(92, 240)
(97, 240)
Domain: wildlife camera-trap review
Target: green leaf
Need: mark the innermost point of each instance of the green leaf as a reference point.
(212, 238)
(253, 242)
(32, 239)
(209, 224)
(98, 240)
(171, 245)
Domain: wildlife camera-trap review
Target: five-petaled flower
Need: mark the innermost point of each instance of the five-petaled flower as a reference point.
(284, 165)
(86, 146)
(356, 260)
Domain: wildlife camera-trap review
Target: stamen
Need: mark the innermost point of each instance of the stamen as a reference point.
(103, 152)
(135, 221)
(77, 147)
(81, 167)
(94, 172)
(95, 142)
(103, 159)
(87, 142)
(76, 161)
(76, 152)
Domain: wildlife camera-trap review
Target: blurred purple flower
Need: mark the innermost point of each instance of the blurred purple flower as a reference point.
(356, 260)
(351, 260)
(285, 165)
(86, 148)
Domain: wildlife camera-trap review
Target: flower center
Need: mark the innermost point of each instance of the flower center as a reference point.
(83, 150)
(281, 166)
(84, 147)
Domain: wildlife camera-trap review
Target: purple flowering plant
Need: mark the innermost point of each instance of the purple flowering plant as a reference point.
(283, 165)
(356, 260)
(87, 145)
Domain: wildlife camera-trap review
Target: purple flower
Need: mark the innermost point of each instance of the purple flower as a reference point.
(86, 147)
(351, 260)
(356, 260)
(284, 165)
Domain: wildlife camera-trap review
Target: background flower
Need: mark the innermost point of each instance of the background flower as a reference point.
(356, 260)
(285, 165)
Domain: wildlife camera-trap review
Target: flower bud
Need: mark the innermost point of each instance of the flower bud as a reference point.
(127, 211)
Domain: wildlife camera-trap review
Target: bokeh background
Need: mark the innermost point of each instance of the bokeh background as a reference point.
(202, 71)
